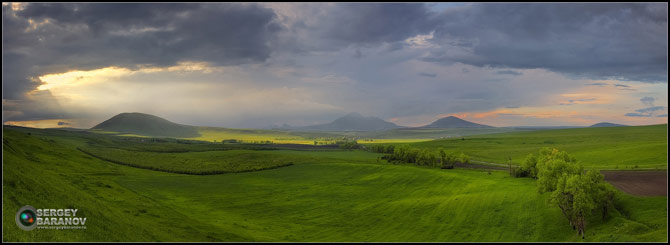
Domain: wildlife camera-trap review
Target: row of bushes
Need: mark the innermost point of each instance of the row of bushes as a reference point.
(257, 142)
(423, 157)
(387, 149)
(349, 144)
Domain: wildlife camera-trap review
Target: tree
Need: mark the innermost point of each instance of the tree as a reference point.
(443, 157)
(449, 161)
(420, 157)
(465, 159)
(551, 165)
(603, 192)
(389, 149)
(576, 193)
(529, 166)
(349, 144)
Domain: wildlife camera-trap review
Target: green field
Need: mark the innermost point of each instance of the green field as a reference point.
(325, 196)
(276, 136)
(209, 162)
(406, 135)
(639, 147)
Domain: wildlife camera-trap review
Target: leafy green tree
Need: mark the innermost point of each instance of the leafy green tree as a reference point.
(449, 161)
(603, 192)
(576, 193)
(529, 166)
(432, 159)
(425, 157)
(465, 159)
(551, 165)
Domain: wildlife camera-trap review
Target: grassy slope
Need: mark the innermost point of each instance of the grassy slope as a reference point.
(600, 148)
(369, 202)
(344, 197)
(208, 162)
(48, 172)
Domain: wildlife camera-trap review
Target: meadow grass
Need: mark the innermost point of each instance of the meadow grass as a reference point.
(344, 202)
(276, 136)
(209, 162)
(39, 172)
(623, 148)
(337, 196)
(298, 137)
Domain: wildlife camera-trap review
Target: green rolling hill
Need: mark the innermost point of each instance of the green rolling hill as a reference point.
(146, 125)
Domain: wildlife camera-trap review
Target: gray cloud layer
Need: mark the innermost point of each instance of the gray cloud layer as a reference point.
(89, 36)
(624, 41)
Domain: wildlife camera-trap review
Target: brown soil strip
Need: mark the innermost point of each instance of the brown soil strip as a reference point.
(639, 183)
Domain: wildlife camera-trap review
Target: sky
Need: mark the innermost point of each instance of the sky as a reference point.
(255, 65)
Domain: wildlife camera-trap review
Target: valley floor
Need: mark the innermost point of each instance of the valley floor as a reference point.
(342, 196)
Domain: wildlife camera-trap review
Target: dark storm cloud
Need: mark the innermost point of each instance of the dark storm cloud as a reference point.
(369, 23)
(510, 72)
(625, 41)
(358, 54)
(425, 74)
(161, 34)
(102, 17)
(373, 23)
(86, 36)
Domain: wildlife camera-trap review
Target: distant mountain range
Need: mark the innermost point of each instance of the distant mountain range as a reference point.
(606, 124)
(150, 125)
(357, 122)
(147, 125)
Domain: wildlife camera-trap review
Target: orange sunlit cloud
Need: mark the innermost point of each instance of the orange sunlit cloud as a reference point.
(77, 78)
